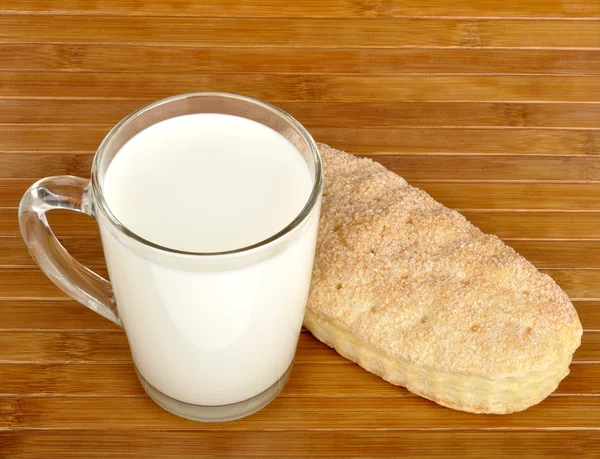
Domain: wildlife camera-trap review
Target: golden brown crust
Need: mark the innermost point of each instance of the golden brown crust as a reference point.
(420, 284)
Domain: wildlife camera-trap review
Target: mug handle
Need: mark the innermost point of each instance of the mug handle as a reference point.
(71, 193)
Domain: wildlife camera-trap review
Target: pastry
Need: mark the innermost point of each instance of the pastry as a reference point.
(413, 292)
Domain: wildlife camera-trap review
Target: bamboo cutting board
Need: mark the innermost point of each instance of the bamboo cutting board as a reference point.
(491, 107)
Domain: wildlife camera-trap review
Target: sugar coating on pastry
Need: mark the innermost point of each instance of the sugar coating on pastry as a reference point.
(413, 284)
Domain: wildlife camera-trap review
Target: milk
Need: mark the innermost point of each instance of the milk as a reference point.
(209, 183)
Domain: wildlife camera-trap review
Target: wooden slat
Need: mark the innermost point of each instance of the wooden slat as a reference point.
(536, 224)
(559, 254)
(301, 32)
(63, 223)
(582, 283)
(565, 254)
(68, 315)
(329, 88)
(589, 314)
(11, 192)
(72, 138)
(69, 111)
(579, 381)
(344, 114)
(65, 347)
(54, 380)
(396, 114)
(296, 414)
(93, 444)
(14, 165)
(16, 138)
(498, 195)
(87, 250)
(462, 195)
(411, 167)
(218, 8)
(509, 8)
(315, 380)
(111, 347)
(444, 140)
(169, 59)
(492, 167)
(307, 8)
(28, 284)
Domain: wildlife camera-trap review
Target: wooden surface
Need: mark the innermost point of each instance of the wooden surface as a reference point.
(492, 107)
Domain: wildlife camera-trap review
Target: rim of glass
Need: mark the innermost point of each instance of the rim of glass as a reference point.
(304, 213)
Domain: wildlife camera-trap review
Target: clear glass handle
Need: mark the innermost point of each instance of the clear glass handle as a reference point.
(64, 192)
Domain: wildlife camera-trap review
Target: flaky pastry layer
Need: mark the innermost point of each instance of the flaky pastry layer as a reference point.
(476, 394)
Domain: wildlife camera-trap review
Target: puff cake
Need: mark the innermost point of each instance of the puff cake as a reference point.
(413, 292)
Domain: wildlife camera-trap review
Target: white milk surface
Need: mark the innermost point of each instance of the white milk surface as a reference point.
(208, 183)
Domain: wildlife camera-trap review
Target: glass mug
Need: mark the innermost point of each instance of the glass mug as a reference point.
(167, 300)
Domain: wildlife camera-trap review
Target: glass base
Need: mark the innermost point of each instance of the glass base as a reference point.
(220, 413)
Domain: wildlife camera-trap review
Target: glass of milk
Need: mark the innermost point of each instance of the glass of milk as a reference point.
(208, 209)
